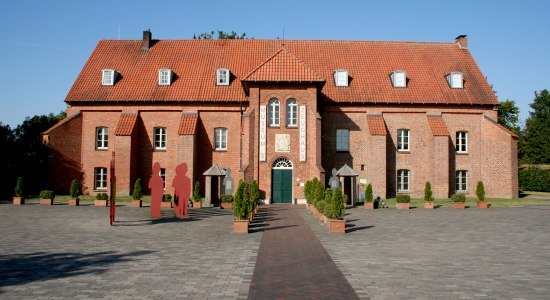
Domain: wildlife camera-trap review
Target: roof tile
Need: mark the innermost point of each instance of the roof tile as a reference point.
(438, 126)
(376, 124)
(283, 66)
(126, 124)
(188, 124)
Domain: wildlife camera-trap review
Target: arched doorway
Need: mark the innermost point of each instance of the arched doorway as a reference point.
(281, 181)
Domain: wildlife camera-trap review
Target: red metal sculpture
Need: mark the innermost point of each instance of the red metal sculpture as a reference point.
(156, 185)
(112, 190)
(182, 191)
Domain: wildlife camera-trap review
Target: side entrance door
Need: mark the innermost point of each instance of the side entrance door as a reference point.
(281, 186)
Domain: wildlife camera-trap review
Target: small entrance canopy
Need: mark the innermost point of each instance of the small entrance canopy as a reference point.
(213, 191)
(348, 182)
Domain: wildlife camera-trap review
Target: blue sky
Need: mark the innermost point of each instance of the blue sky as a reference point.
(44, 44)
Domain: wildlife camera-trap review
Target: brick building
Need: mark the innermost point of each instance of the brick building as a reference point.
(393, 114)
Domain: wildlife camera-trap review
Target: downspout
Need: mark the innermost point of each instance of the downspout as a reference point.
(241, 137)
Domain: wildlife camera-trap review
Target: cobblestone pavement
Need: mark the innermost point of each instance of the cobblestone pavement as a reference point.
(498, 253)
(60, 252)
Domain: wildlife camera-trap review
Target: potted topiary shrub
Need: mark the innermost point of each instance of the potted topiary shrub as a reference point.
(480, 193)
(101, 199)
(459, 201)
(166, 201)
(46, 197)
(227, 201)
(402, 201)
(240, 208)
(255, 195)
(197, 200)
(369, 197)
(74, 192)
(428, 196)
(137, 194)
(18, 198)
(335, 211)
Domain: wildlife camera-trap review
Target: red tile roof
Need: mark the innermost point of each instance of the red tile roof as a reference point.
(60, 123)
(510, 132)
(376, 124)
(283, 66)
(126, 124)
(438, 126)
(195, 62)
(188, 124)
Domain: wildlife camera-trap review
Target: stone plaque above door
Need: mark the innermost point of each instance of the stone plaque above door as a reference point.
(282, 143)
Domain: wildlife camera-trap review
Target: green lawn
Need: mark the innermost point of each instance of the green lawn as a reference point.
(64, 198)
(494, 202)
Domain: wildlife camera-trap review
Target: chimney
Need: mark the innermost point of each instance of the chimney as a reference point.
(146, 43)
(462, 41)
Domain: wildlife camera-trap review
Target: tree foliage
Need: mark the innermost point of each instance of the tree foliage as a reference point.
(480, 191)
(535, 144)
(75, 189)
(220, 35)
(137, 194)
(428, 195)
(241, 201)
(369, 197)
(508, 115)
(197, 191)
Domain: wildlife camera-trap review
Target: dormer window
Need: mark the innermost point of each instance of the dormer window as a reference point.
(165, 77)
(399, 79)
(456, 80)
(108, 77)
(341, 77)
(222, 77)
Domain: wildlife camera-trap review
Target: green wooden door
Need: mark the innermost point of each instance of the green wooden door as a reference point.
(281, 183)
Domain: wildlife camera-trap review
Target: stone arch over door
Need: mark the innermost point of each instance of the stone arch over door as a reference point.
(282, 171)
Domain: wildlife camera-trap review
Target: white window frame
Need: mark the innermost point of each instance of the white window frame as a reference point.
(220, 139)
(160, 137)
(461, 181)
(107, 77)
(403, 140)
(403, 180)
(274, 112)
(342, 140)
(165, 77)
(291, 112)
(461, 142)
(162, 174)
(399, 79)
(341, 78)
(456, 80)
(222, 77)
(102, 138)
(100, 179)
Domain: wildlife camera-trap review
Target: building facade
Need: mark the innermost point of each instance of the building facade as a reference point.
(392, 114)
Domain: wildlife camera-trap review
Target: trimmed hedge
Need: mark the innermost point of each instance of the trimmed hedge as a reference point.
(369, 197)
(534, 179)
(241, 201)
(480, 191)
(102, 196)
(458, 198)
(402, 198)
(165, 198)
(137, 194)
(227, 198)
(428, 195)
(19, 187)
(47, 194)
(75, 189)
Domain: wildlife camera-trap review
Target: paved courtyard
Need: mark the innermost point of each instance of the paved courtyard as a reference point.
(65, 252)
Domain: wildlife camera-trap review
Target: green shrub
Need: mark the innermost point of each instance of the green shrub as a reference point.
(369, 197)
(480, 191)
(534, 179)
(240, 201)
(137, 194)
(255, 192)
(336, 207)
(402, 198)
(328, 195)
(227, 198)
(75, 189)
(321, 206)
(102, 196)
(47, 194)
(458, 197)
(428, 195)
(197, 191)
(167, 198)
(19, 187)
(314, 191)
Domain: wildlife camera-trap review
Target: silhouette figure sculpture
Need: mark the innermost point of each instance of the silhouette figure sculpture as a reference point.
(182, 190)
(156, 185)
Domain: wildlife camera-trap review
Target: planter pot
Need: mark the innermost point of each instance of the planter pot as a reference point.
(402, 205)
(46, 201)
(166, 205)
(461, 205)
(336, 226)
(101, 202)
(324, 219)
(369, 205)
(482, 204)
(18, 200)
(227, 205)
(429, 205)
(74, 202)
(137, 203)
(240, 226)
(197, 204)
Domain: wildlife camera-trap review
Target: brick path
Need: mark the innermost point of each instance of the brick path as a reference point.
(292, 263)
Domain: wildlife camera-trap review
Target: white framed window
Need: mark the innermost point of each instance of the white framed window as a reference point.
(462, 142)
(165, 77)
(291, 112)
(461, 181)
(341, 78)
(403, 180)
(274, 112)
(107, 77)
(399, 79)
(222, 77)
(456, 80)
(100, 179)
(220, 138)
(102, 138)
(160, 138)
(342, 139)
(403, 140)
(162, 174)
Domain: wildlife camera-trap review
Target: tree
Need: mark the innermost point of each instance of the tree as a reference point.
(75, 189)
(480, 191)
(535, 144)
(7, 160)
(197, 191)
(137, 194)
(369, 197)
(241, 201)
(255, 192)
(428, 195)
(222, 35)
(508, 115)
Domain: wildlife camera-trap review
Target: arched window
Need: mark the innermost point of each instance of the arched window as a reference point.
(291, 112)
(282, 163)
(274, 112)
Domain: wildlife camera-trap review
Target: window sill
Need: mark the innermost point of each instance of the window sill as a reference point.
(461, 153)
(403, 192)
(220, 150)
(404, 151)
(292, 127)
(102, 149)
(342, 151)
(274, 126)
(102, 191)
(159, 150)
